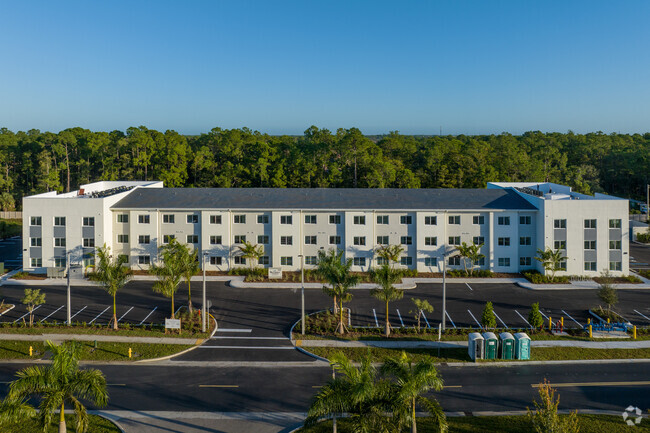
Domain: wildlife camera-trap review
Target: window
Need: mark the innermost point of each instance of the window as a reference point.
(144, 260)
(406, 261)
(478, 240)
(613, 224)
(35, 221)
(239, 219)
(335, 219)
(264, 260)
(262, 239)
(590, 266)
(122, 218)
(89, 221)
(360, 220)
(525, 261)
(192, 219)
(262, 219)
(525, 240)
(215, 260)
(406, 219)
(89, 242)
(215, 240)
(168, 218)
(36, 263)
(478, 219)
(590, 245)
(35, 242)
(559, 224)
(525, 220)
(614, 245)
(286, 219)
(431, 241)
(286, 240)
(562, 265)
(335, 240)
(192, 239)
(382, 240)
(59, 242)
(240, 239)
(504, 261)
(382, 219)
(359, 240)
(560, 245)
(430, 261)
(359, 261)
(215, 219)
(430, 220)
(382, 261)
(480, 262)
(310, 240)
(454, 219)
(59, 262)
(406, 240)
(503, 220)
(615, 266)
(286, 261)
(167, 238)
(311, 260)
(454, 261)
(454, 240)
(590, 224)
(503, 242)
(59, 221)
(144, 239)
(310, 219)
(122, 239)
(239, 260)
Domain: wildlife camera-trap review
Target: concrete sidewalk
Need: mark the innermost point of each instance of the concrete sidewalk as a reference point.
(105, 338)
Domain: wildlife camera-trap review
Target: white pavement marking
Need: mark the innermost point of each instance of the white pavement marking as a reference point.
(48, 316)
(26, 314)
(469, 287)
(522, 318)
(470, 313)
(127, 312)
(542, 313)
(642, 315)
(179, 309)
(375, 314)
(502, 322)
(449, 317)
(425, 319)
(400, 318)
(97, 317)
(72, 317)
(569, 316)
(233, 330)
(247, 347)
(250, 338)
(154, 309)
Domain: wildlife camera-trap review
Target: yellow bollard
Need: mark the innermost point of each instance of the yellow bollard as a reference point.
(588, 321)
(634, 332)
(608, 320)
(31, 351)
(562, 321)
(590, 334)
(129, 352)
(550, 323)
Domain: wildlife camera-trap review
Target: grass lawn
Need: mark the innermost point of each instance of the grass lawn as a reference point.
(97, 424)
(37, 329)
(504, 424)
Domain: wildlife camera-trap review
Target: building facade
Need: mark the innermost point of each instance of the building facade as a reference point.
(511, 221)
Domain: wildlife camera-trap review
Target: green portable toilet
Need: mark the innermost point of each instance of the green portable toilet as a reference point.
(475, 346)
(522, 345)
(506, 345)
(491, 345)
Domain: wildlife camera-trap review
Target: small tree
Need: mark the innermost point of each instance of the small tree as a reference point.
(488, 319)
(470, 253)
(421, 305)
(390, 253)
(32, 298)
(251, 252)
(550, 260)
(169, 274)
(189, 264)
(607, 292)
(545, 418)
(385, 277)
(337, 273)
(111, 274)
(535, 317)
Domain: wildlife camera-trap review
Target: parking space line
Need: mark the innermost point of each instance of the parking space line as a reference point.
(542, 313)
(449, 317)
(154, 309)
(522, 318)
(97, 317)
(400, 317)
(248, 347)
(233, 330)
(375, 313)
(642, 315)
(425, 318)
(118, 320)
(26, 314)
(179, 309)
(502, 322)
(72, 317)
(48, 316)
(569, 316)
(470, 313)
(469, 287)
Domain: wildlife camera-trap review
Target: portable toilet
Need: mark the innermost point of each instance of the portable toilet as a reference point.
(506, 345)
(522, 345)
(491, 344)
(475, 346)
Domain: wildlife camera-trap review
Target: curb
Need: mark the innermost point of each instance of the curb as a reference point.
(111, 419)
(296, 344)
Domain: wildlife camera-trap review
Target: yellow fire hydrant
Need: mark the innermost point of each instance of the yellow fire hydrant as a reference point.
(130, 352)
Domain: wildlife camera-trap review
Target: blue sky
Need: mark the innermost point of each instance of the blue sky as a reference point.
(470, 67)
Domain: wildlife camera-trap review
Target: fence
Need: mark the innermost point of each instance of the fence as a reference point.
(11, 215)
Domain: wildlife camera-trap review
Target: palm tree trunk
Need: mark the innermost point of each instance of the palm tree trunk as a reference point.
(173, 306)
(62, 428)
(114, 314)
(341, 317)
(189, 296)
(387, 324)
(414, 426)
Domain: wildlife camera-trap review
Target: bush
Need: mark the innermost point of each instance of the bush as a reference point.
(479, 273)
(536, 278)
(643, 237)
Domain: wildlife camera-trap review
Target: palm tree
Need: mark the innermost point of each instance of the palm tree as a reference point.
(169, 274)
(111, 274)
(411, 381)
(15, 410)
(386, 277)
(332, 269)
(60, 383)
(470, 253)
(189, 263)
(390, 253)
(251, 252)
(550, 259)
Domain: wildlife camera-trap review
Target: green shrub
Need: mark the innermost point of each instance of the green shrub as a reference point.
(536, 278)
(643, 237)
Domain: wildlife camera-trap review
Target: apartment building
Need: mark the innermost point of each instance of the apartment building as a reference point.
(510, 220)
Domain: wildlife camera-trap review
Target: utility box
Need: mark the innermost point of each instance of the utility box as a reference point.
(475, 347)
(522, 345)
(491, 345)
(506, 346)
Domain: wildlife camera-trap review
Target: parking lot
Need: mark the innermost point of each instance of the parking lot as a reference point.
(11, 252)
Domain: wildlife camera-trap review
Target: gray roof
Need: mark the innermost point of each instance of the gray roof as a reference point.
(322, 198)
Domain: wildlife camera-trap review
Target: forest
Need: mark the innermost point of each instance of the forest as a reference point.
(32, 162)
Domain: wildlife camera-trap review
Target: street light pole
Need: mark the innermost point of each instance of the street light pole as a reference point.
(204, 314)
(444, 290)
(67, 262)
(302, 293)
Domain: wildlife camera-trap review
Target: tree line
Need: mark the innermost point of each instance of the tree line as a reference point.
(33, 162)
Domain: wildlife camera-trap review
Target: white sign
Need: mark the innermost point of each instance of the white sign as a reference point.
(172, 323)
(275, 273)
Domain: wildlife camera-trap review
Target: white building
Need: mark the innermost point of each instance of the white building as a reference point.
(511, 220)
